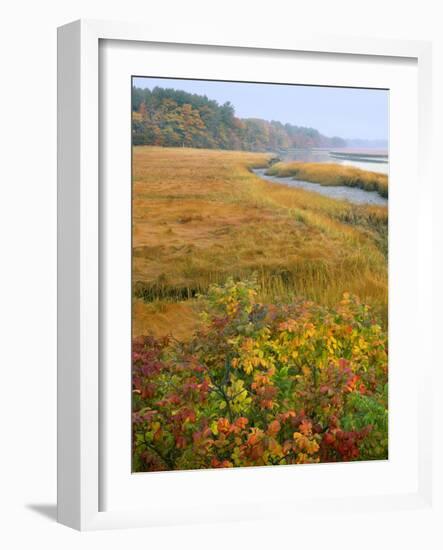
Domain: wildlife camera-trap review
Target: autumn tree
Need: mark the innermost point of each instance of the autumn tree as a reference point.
(176, 118)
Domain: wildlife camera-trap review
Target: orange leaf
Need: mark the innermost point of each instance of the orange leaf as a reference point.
(305, 427)
(273, 428)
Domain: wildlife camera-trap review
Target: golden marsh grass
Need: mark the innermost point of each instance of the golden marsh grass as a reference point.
(332, 174)
(201, 216)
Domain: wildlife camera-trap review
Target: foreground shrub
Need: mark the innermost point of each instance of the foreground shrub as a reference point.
(262, 385)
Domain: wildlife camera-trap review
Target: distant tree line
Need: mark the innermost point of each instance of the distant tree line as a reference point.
(174, 118)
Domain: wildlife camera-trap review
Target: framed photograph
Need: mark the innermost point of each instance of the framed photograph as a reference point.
(242, 233)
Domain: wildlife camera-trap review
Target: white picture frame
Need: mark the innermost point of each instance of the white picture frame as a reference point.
(79, 367)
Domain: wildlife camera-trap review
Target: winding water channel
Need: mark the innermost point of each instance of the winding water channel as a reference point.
(351, 194)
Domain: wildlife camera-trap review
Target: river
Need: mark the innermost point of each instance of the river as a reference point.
(352, 194)
(374, 160)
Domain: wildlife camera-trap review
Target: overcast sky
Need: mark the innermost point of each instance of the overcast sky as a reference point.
(345, 112)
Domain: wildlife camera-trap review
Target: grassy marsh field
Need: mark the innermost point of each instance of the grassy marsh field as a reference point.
(332, 174)
(201, 216)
